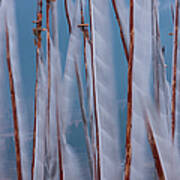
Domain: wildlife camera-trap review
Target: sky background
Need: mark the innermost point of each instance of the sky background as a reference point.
(26, 13)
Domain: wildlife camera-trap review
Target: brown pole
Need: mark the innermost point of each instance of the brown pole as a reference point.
(154, 150)
(121, 30)
(67, 16)
(49, 62)
(173, 113)
(130, 78)
(61, 171)
(38, 25)
(14, 107)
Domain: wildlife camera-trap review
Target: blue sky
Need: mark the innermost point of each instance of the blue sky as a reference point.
(26, 13)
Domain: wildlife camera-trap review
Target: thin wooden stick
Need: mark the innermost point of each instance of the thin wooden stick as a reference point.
(121, 30)
(49, 62)
(84, 38)
(98, 168)
(88, 144)
(173, 113)
(130, 78)
(67, 16)
(38, 25)
(83, 26)
(61, 170)
(14, 107)
(154, 150)
(47, 121)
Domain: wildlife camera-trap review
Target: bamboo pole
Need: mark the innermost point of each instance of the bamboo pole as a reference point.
(47, 121)
(38, 25)
(84, 39)
(154, 149)
(98, 168)
(67, 16)
(130, 78)
(83, 26)
(121, 30)
(49, 63)
(14, 107)
(61, 170)
(88, 144)
(173, 113)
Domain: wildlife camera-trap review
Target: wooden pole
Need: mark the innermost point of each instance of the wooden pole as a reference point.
(173, 113)
(154, 150)
(85, 122)
(14, 107)
(130, 79)
(67, 16)
(49, 63)
(121, 30)
(61, 170)
(38, 25)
